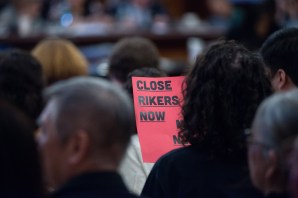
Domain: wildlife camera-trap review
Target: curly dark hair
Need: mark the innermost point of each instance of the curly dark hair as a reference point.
(221, 96)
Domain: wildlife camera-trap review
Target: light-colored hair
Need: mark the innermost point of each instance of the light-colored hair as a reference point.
(94, 105)
(60, 59)
(277, 119)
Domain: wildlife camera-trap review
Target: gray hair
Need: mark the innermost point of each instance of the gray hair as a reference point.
(94, 105)
(277, 121)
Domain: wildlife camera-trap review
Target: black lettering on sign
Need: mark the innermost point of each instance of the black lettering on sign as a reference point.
(178, 124)
(175, 100)
(158, 100)
(152, 100)
(168, 85)
(141, 100)
(160, 85)
(139, 85)
(176, 140)
(152, 116)
(168, 100)
(154, 86)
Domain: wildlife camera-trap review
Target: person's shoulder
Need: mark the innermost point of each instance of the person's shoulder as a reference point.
(278, 195)
(130, 195)
(184, 154)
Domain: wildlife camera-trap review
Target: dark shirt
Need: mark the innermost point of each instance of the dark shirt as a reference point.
(96, 184)
(278, 195)
(190, 172)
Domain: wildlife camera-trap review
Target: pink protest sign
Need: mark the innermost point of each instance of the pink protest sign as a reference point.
(157, 111)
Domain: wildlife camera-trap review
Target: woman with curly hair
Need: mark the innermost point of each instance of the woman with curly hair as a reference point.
(222, 93)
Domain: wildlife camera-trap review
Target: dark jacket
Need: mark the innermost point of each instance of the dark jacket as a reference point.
(96, 184)
(190, 172)
(278, 195)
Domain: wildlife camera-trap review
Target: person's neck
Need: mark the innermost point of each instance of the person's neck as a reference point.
(96, 166)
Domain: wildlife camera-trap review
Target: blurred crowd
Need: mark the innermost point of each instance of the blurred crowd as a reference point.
(68, 132)
(27, 17)
(247, 21)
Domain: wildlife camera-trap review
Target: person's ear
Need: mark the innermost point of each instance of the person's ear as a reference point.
(78, 147)
(272, 165)
(279, 80)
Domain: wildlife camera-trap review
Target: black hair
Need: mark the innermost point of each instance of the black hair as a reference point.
(222, 93)
(142, 72)
(20, 169)
(21, 81)
(130, 54)
(280, 51)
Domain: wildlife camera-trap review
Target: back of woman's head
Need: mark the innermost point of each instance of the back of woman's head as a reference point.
(20, 170)
(60, 60)
(222, 93)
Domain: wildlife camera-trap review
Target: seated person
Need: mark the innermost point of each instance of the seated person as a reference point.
(286, 13)
(85, 130)
(253, 23)
(21, 82)
(60, 60)
(273, 133)
(20, 169)
(141, 14)
(133, 170)
(21, 17)
(129, 54)
(279, 52)
(222, 93)
(80, 11)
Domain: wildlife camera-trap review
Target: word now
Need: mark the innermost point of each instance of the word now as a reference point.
(154, 85)
(152, 116)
